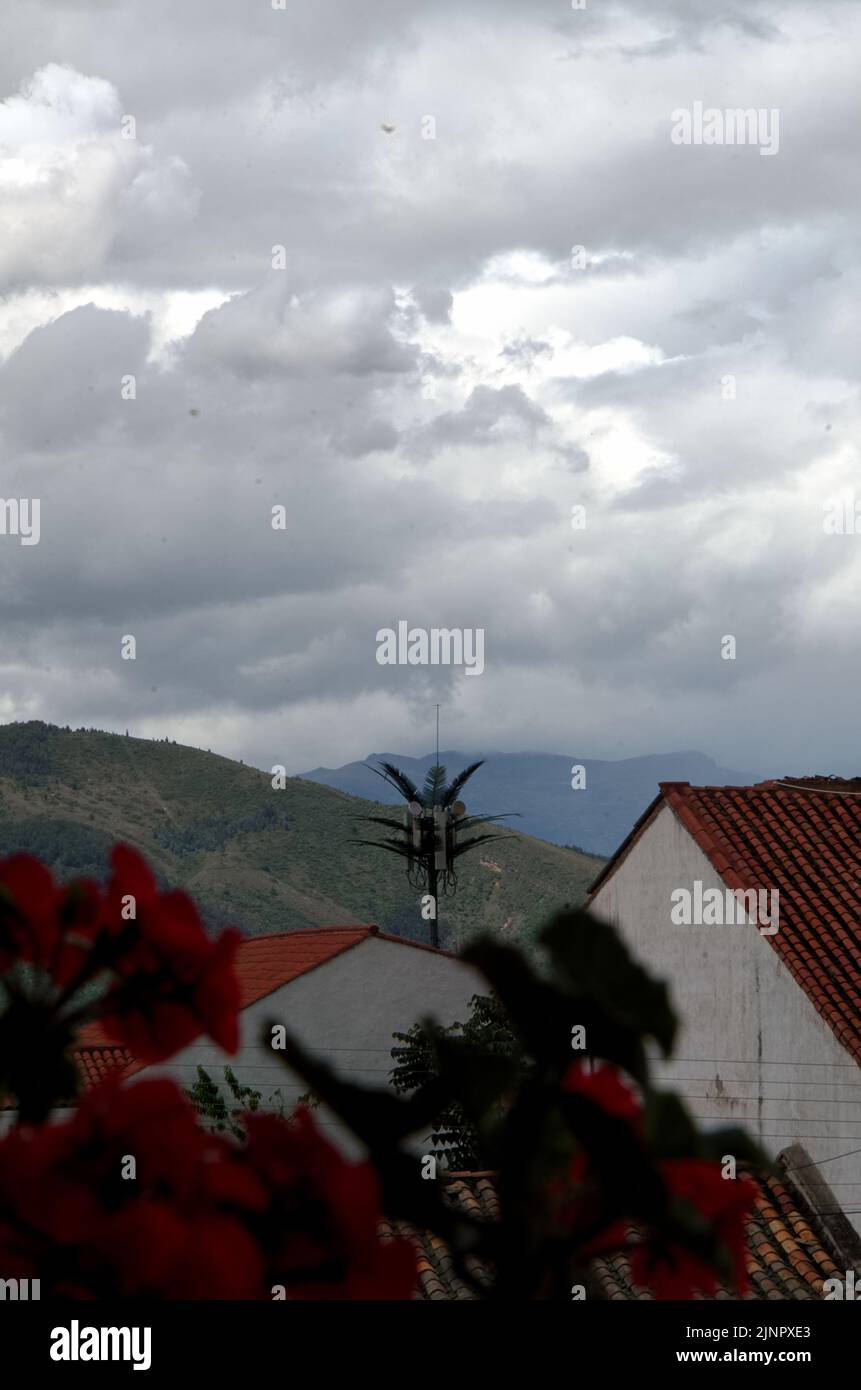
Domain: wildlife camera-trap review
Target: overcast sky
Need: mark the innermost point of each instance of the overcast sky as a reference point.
(435, 377)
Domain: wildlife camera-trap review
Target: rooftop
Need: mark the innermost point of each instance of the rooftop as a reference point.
(801, 836)
(789, 1252)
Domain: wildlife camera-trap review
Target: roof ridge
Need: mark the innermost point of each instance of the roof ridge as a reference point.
(308, 931)
(825, 785)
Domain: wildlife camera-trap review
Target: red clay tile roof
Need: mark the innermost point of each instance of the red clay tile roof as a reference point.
(265, 963)
(788, 1257)
(473, 1193)
(94, 1063)
(803, 838)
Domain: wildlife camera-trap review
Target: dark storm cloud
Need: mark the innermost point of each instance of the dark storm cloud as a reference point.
(430, 384)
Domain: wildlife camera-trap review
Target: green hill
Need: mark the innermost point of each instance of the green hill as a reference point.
(263, 859)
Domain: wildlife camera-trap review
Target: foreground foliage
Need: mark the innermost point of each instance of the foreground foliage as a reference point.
(453, 1139)
(133, 1195)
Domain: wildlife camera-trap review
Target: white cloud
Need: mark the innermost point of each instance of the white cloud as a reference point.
(72, 188)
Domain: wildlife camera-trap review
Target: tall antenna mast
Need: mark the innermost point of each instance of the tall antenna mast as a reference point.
(439, 859)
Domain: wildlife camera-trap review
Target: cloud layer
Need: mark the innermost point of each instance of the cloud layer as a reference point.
(427, 278)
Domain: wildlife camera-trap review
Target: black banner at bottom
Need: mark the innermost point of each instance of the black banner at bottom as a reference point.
(241, 1339)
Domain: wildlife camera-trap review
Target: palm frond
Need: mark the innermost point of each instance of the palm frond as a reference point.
(467, 822)
(434, 789)
(398, 780)
(450, 794)
(476, 840)
(386, 821)
(391, 845)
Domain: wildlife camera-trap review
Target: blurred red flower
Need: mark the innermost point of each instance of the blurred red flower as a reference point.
(131, 1196)
(675, 1271)
(29, 912)
(607, 1087)
(173, 981)
(576, 1200)
(325, 1210)
(198, 1217)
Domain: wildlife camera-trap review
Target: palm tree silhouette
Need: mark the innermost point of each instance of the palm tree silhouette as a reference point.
(430, 836)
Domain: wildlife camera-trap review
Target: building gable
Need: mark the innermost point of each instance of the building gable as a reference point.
(753, 1048)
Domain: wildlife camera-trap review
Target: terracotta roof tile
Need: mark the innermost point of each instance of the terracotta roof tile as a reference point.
(265, 963)
(787, 1257)
(95, 1063)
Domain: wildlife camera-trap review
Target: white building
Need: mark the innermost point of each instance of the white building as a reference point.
(340, 991)
(770, 1033)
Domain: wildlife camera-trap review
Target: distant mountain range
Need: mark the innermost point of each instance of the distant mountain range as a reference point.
(538, 785)
(267, 860)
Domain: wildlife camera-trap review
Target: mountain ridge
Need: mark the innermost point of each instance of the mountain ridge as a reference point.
(594, 819)
(264, 859)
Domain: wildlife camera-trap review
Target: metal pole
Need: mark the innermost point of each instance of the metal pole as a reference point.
(432, 885)
(433, 878)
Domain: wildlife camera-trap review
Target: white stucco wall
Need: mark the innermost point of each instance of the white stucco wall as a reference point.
(751, 1047)
(344, 1011)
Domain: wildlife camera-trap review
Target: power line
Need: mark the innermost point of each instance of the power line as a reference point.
(749, 1062)
(797, 1168)
(818, 791)
(754, 1081)
(756, 1100)
(783, 1120)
